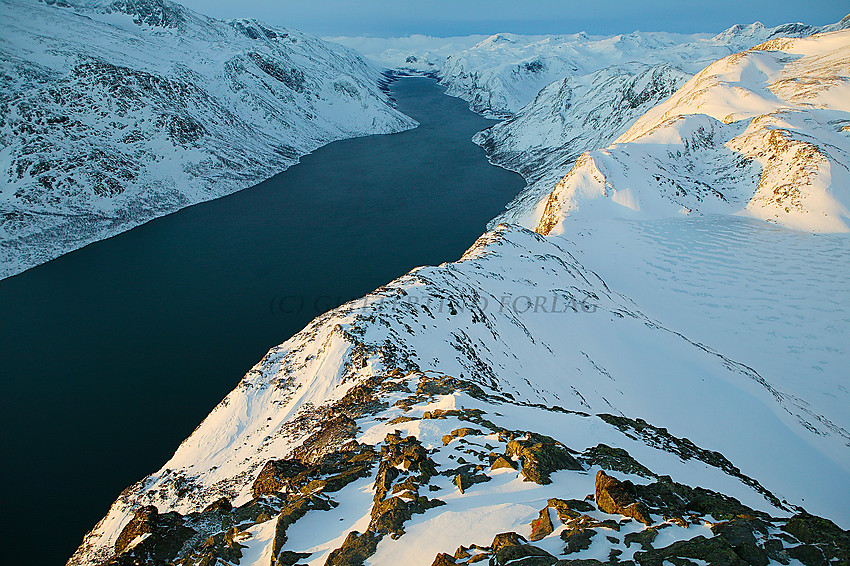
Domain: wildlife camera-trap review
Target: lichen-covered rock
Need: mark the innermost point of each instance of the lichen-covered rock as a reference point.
(808, 554)
(541, 455)
(466, 476)
(577, 539)
(222, 546)
(334, 433)
(813, 530)
(714, 551)
(611, 458)
(644, 538)
(502, 540)
(502, 462)
(355, 550)
(740, 534)
(616, 497)
(142, 523)
(399, 456)
(569, 508)
(541, 527)
(289, 558)
(276, 476)
(459, 433)
(512, 548)
(151, 538)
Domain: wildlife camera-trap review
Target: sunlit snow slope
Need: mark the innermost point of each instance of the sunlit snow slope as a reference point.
(764, 133)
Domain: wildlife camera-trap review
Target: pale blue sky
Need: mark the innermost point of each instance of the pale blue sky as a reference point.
(383, 18)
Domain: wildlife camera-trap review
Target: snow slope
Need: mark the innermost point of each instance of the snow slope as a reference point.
(527, 366)
(764, 133)
(117, 112)
(589, 108)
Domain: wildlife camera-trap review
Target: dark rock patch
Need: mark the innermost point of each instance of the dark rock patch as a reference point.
(541, 456)
(619, 497)
(541, 527)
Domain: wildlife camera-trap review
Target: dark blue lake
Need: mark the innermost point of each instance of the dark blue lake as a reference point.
(112, 354)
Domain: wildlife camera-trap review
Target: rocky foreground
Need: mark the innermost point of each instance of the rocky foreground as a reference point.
(587, 505)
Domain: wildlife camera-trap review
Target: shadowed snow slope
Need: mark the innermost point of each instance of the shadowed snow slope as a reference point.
(117, 112)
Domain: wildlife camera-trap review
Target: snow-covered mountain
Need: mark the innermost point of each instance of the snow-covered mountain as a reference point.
(619, 79)
(620, 384)
(503, 73)
(456, 357)
(115, 112)
(415, 54)
(764, 133)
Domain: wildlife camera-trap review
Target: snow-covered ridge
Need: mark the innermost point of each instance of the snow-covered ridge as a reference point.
(762, 133)
(115, 112)
(611, 84)
(520, 329)
(503, 73)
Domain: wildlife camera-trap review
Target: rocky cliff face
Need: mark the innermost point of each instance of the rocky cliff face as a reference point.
(117, 112)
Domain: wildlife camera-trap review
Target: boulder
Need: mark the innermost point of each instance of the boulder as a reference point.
(541, 527)
(714, 551)
(460, 433)
(644, 538)
(569, 508)
(541, 455)
(502, 462)
(616, 497)
(740, 534)
(502, 540)
(577, 539)
(512, 548)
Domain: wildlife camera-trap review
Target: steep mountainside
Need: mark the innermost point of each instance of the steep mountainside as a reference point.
(614, 387)
(457, 351)
(590, 107)
(116, 112)
(568, 117)
(764, 133)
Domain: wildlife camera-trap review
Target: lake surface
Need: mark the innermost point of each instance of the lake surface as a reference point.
(112, 354)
